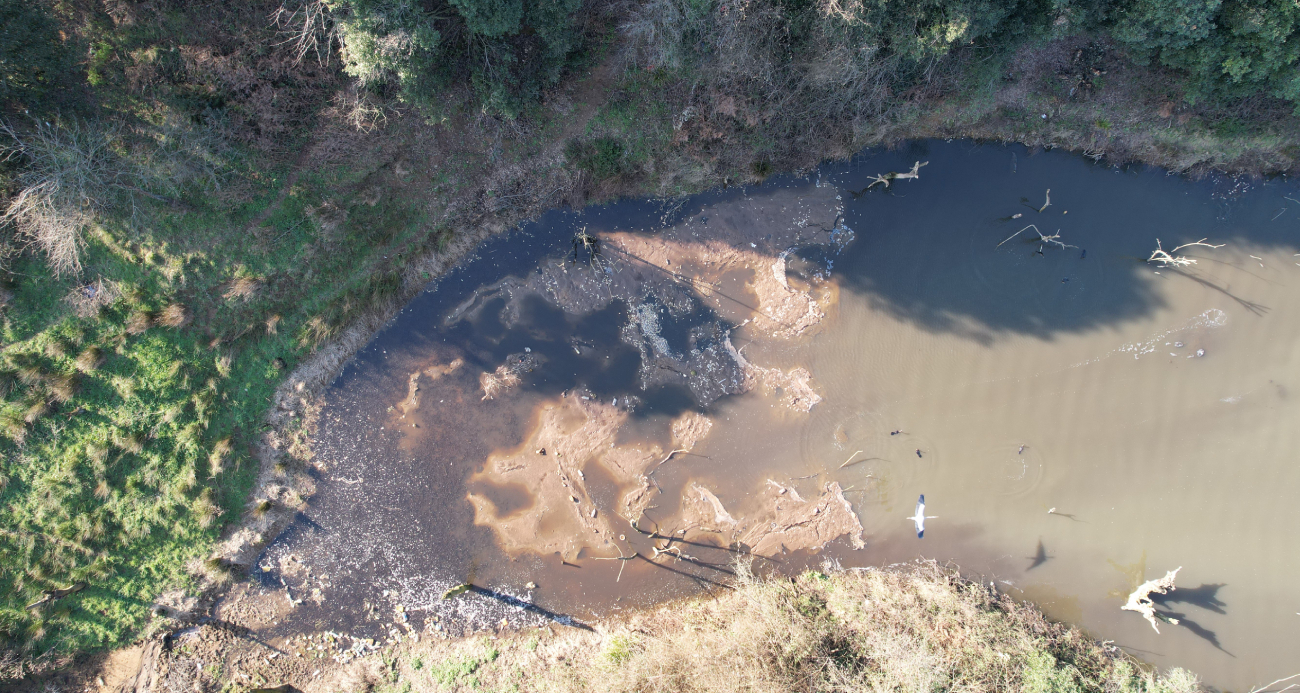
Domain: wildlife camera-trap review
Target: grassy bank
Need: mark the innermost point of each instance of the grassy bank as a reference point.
(916, 628)
(243, 212)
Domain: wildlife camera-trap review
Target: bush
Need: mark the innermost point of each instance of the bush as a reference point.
(507, 50)
(1229, 49)
(602, 158)
(799, 63)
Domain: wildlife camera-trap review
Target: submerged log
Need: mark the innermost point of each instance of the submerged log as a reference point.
(887, 178)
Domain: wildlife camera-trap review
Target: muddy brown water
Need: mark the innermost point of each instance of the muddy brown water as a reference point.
(1078, 419)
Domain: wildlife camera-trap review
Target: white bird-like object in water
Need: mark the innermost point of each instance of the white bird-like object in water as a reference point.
(920, 517)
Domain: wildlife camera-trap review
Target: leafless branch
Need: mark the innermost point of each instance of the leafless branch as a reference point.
(1168, 259)
(1262, 689)
(887, 178)
(307, 29)
(621, 559)
(1200, 242)
(1054, 239)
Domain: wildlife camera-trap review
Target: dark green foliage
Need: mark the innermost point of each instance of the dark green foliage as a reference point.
(508, 50)
(33, 56)
(1229, 49)
(602, 158)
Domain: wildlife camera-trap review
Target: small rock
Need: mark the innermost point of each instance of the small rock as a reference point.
(541, 451)
(1178, 345)
(531, 586)
(573, 498)
(1200, 352)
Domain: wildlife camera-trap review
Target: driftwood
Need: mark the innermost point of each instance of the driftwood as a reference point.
(50, 596)
(623, 559)
(1140, 599)
(887, 178)
(1168, 259)
(1054, 239)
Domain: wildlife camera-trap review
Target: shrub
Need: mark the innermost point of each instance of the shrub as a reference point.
(602, 158)
(1229, 49)
(508, 50)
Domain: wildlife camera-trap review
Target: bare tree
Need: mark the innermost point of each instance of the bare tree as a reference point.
(307, 28)
(71, 172)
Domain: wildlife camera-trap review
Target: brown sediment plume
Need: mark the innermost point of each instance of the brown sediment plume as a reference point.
(677, 269)
(787, 522)
(576, 431)
(794, 386)
(703, 513)
(568, 435)
(430, 374)
(689, 429)
(779, 311)
(782, 521)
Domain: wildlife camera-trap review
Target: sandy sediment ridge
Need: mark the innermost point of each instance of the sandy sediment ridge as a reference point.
(562, 518)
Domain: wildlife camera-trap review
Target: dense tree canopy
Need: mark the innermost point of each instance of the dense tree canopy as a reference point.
(507, 49)
(1229, 49)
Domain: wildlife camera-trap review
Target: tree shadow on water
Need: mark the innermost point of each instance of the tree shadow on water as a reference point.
(1205, 596)
(516, 602)
(954, 256)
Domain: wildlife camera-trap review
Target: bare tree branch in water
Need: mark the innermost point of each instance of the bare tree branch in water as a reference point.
(887, 178)
(1265, 688)
(1140, 599)
(1054, 239)
(621, 559)
(1168, 259)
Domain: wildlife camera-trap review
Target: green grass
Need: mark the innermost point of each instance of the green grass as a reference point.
(461, 671)
(128, 443)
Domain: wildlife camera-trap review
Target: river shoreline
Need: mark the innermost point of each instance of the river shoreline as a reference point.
(291, 415)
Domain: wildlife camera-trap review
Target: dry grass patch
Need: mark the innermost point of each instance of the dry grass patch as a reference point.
(241, 288)
(174, 315)
(139, 322)
(919, 628)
